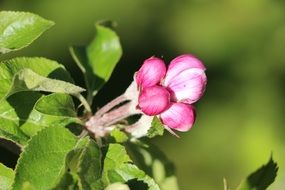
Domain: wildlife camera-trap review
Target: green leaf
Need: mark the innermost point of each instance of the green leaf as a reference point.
(117, 186)
(27, 80)
(13, 113)
(155, 164)
(19, 29)
(118, 136)
(28, 186)
(41, 66)
(67, 182)
(115, 157)
(6, 177)
(56, 104)
(83, 167)
(156, 128)
(42, 162)
(127, 172)
(98, 60)
(261, 178)
(87, 164)
(23, 114)
(118, 168)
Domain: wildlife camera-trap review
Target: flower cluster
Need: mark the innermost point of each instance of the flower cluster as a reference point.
(170, 92)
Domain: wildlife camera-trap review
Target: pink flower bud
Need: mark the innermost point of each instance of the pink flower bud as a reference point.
(151, 72)
(154, 100)
(180, 64)
(179, 116)
(188, 86)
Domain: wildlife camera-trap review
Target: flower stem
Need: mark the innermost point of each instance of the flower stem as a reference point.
(110, 105)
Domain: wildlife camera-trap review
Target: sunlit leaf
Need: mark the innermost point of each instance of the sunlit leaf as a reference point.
(98, 59)
(43, 159)
(156, 128)
(118, 168)
(118, 136)
(42, 66)
(23, 114)
(28, 80)
(117, 186)
(6, 177)
(19, 29)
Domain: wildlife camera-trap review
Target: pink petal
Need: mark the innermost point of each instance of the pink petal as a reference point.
(188, 86)
(151, 72)
(179, 116)
(154, 100)
(181, 63)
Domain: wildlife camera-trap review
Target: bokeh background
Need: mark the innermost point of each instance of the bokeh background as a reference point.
(240, 120)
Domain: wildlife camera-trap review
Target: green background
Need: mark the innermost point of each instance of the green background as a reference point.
(240, 120)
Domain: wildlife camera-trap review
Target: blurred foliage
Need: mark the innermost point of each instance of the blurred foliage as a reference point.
(242, 42)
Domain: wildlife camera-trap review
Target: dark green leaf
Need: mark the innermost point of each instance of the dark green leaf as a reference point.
(67, 182)
(42, 162)
(41, 66)
(261, 178)
(156, 128)
(19, 29)
(6, 177)
(56, 104)
(84, 165)
(98, 60)
(23, 114)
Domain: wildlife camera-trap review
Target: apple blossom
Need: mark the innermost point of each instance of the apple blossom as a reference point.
(170, 94)
(167, 93)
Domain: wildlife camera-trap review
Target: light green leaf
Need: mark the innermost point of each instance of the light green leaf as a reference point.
(19, 29)
(6, 177)
(156, 128)
(155, 164)
(23, 114)
(28, 186)
(261, 178)
(118, 168)
(43, 159)
(117, 186)
(98, 60)
(118, 136)
(127, 172)
(41, 66)
(27, 80)
(116, 156)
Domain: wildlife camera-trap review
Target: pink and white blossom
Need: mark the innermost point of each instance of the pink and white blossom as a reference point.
(169, 94)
